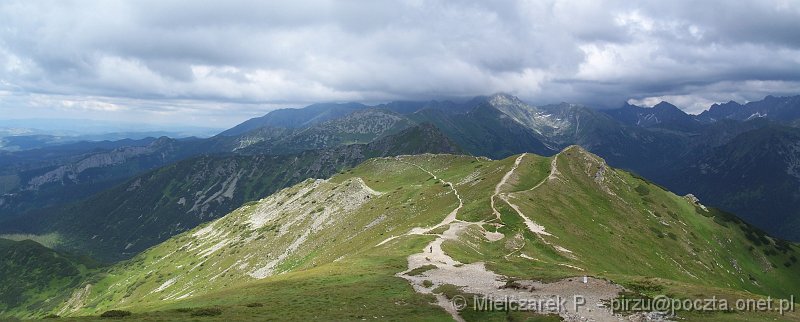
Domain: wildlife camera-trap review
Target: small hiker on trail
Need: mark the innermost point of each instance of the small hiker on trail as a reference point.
(431, 251)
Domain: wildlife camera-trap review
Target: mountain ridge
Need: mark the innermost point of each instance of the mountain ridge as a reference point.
(289, 118)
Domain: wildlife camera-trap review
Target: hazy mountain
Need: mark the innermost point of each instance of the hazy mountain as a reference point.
(295, 118)
(147, 209)
(79, 170)
(28, 134)
(30, 159)
(783, 109)
(38, 184)
(501, 125)
(43, 142)
(755, 175)
(483, 130)
(361, 126)
(662, 114)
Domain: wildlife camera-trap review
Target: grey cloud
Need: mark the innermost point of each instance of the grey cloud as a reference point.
(249, 56)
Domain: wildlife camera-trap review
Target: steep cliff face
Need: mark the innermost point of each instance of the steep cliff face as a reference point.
(71, 173)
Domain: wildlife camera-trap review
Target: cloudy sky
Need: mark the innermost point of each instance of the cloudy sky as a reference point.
(216, 64)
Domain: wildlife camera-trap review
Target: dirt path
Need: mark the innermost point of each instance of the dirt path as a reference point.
(537, 229)
(553, 173)
(433, 254)
(475, 278)
(450, 218)
(503, 182)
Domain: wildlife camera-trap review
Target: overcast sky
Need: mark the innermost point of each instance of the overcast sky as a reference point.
(205, 63)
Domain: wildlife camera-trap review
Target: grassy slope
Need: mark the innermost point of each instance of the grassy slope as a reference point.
(338, 272)
(295, 205)
(641, 236)
(34, 278)
(685, 243)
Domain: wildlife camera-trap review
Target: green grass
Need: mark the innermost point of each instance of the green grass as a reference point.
(422, 269)
(34, 278)
(346, 290)
(635, 228)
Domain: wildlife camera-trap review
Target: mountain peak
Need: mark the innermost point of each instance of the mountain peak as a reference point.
(580, 151)
(574, 148)
(664, 105)
(771, 107)
(728, 105)
(504, 99)
(296, 118)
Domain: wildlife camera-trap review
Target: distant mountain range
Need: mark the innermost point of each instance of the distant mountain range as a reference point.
(63, 174)
(73, 130)
(149, 208)
(783, 109)
(661, 143)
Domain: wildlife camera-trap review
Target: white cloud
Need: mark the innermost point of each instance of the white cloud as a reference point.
(91, 105)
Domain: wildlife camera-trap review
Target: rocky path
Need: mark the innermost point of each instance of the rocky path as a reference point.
(503, 182)
(535, 228)
(449, 219)
(475, 278)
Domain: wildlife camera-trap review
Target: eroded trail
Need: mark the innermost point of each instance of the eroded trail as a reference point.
(532, 226)
(535, 228)
(503, 182)
(433, 267)
(433, 254)
(553, 173)
(449, 219)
